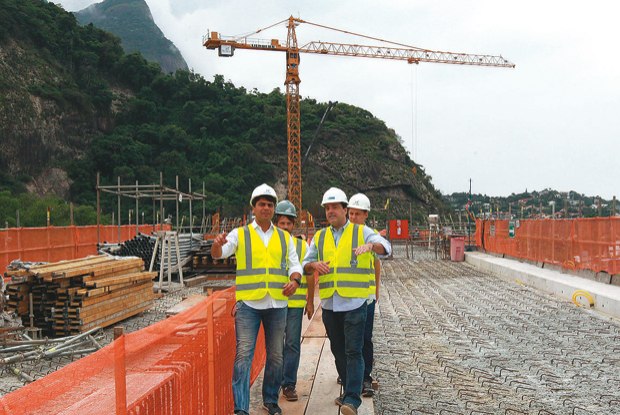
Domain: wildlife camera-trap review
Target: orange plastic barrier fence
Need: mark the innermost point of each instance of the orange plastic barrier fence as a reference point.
(589, 243)
(59, 243)
(181, 365)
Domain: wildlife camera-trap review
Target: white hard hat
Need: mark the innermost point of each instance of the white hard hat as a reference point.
(334, 195)
(263, 190)
(360, 201)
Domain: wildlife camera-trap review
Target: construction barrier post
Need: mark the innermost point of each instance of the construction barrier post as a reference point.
(120, 385)
(211, 357)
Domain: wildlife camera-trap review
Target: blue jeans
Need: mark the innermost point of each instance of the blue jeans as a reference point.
(247, 323)
(346, 334)
(292, 349)
(367, 351)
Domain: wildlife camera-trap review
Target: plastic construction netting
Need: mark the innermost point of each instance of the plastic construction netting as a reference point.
(181, 365)
(52, 244)
(588, 244)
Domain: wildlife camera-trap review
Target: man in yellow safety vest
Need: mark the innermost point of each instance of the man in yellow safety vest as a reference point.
(359, 206)
(302, 300)
(268, 273)
(342, 256)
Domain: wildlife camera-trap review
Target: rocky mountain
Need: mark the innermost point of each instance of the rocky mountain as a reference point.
(132, 22)
(73, 103)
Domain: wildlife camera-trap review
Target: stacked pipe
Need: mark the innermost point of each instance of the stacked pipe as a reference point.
(142, 246)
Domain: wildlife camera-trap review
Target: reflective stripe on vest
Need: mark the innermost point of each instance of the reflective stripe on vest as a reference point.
(261, 270)
(372, 287)
(349, 275)
(298, 300)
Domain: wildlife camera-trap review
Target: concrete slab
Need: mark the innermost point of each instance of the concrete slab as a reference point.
(604, 298)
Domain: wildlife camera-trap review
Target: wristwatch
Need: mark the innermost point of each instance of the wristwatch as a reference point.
(297, 280)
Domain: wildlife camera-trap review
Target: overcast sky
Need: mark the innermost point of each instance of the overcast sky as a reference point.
(552, 122)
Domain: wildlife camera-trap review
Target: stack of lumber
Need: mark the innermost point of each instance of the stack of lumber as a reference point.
(71, 297)
(18, 298)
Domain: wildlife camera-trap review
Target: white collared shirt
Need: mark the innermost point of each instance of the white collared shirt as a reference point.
(230, 247)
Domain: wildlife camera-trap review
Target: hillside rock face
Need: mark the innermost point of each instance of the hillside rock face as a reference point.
(132, 22)
(358, 153)
(37, 133)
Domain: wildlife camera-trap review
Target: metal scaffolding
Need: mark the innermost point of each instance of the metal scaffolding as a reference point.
(155, 192)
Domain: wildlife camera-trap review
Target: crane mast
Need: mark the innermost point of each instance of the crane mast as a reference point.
(293, 116)
(410, 54)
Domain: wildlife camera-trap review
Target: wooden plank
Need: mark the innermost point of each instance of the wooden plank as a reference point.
(310, 353)
(325, 388)
(107, 321)
(316, 327)
(105, 303)
(45, 271)
(186, 304)
(211, 290)
(115, 319)
(194, 281)
(121, 279)
(109, 274)
(70, 263)
(84, 302)
(98, 269)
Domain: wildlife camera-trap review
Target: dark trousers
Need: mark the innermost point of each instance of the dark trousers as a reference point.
(346, 335)
(368, 350)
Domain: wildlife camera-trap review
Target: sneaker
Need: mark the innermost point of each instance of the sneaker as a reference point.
(289, 392)
(367, 390)
(339, 400)
(348, 409)
(272, 408)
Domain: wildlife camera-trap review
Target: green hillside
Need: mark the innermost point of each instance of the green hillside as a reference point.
(73, 103)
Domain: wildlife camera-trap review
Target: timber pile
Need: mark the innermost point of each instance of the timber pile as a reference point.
(71, 297)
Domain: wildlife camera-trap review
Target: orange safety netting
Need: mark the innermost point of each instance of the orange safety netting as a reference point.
(53, 244)
(181, 365)
(589, 243)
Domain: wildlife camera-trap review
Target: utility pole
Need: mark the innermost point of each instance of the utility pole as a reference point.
(467, 214)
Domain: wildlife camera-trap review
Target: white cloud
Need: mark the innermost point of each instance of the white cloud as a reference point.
(551, 122)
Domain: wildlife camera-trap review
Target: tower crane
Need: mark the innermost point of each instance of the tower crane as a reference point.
(226, 46)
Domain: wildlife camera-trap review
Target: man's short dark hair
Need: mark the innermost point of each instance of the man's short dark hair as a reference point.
(269, 198)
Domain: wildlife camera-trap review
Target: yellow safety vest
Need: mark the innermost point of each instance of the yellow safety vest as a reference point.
(349, 275)
(261, 270)
(298, 300)
(372, 287)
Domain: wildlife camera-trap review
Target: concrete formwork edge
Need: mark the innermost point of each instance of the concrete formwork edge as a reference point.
(605, 297)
